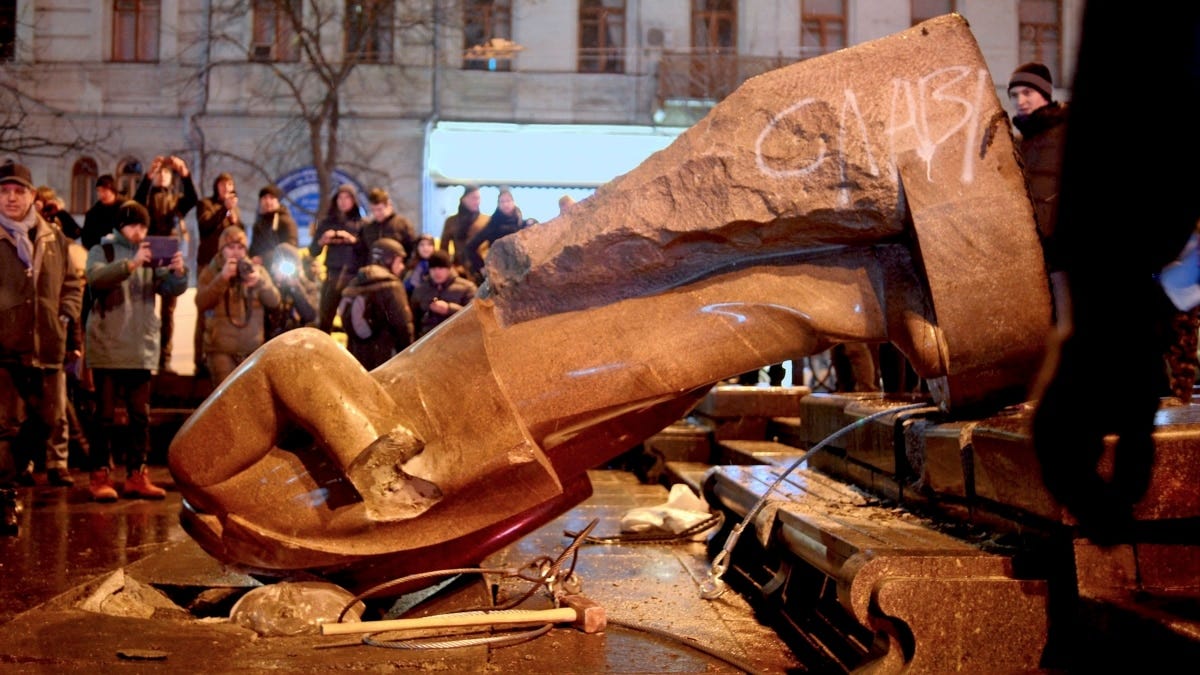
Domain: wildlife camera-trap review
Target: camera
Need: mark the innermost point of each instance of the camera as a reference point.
(245, 268)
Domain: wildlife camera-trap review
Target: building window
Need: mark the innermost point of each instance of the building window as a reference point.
(924, 10)
(135, 30)
(274, 30)
(1040, 25)
(822, 27)
(713, 68)
(487, 35)
(369, 25)
(8, 30)
(129, 173)
(714, 26)
(83, 185)
(602, 36)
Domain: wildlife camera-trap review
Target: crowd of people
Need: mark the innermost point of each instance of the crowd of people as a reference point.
(90, 307)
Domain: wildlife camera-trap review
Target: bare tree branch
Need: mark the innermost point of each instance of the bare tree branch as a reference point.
(330, 41)
(61, 137)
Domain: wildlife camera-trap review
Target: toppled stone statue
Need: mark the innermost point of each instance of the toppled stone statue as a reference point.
(869, 195)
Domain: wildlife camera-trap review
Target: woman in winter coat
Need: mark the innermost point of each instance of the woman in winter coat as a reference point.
(338, 235)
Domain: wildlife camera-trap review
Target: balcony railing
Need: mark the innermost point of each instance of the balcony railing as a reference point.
(601, 60)
(709, 75)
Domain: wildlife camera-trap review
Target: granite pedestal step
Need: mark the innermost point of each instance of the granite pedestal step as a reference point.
(939, 602)
(742, 451)
(690, 474)
(979, 479)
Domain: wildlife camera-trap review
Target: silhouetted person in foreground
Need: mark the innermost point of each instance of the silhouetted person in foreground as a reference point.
(1118, 225)
(1117, 228)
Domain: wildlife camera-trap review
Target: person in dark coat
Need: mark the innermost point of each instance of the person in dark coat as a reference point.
(299, 290)
(168, 206)
(463, 225)
(445, 294)
(101, 218)
(52, 209)
(338, 235)
(374, 307)
(1042, 122)
(214, 214)
(273, 226)
(384, 222)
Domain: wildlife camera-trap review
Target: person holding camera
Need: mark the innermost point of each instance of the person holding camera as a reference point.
(233, 293)
(383, 223)
(168, 205)
(51, 206)
(299, 290)
(122, 347)
(213, 215)
(443, 296)
(273, 226)
(338, 235)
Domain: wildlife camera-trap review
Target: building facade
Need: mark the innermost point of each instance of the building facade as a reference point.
(421, 96)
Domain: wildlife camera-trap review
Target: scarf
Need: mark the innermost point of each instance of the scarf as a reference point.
(504, 223)
(20, 232)
(1040, 120)
(466, 218)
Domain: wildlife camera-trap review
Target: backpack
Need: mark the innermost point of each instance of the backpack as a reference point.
(357, 317)
(102, 300)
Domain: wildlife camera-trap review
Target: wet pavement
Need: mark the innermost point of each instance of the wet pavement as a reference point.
(69, 548)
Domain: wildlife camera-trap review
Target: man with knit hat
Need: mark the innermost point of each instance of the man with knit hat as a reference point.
(374, 308)
(1042, 123)
(41, 294)
(101, 218)
(233, 293)
(446, 294)
(273, 225)
(123, 347)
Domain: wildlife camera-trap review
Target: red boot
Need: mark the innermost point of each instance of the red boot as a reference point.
(101, 486)
(138, 485)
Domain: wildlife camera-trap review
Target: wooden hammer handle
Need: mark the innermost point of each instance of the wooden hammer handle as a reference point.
(455, 620)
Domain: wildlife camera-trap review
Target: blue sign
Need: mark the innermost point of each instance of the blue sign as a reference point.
(301, 194)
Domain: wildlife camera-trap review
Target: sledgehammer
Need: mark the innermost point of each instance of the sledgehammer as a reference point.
(581, 612)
